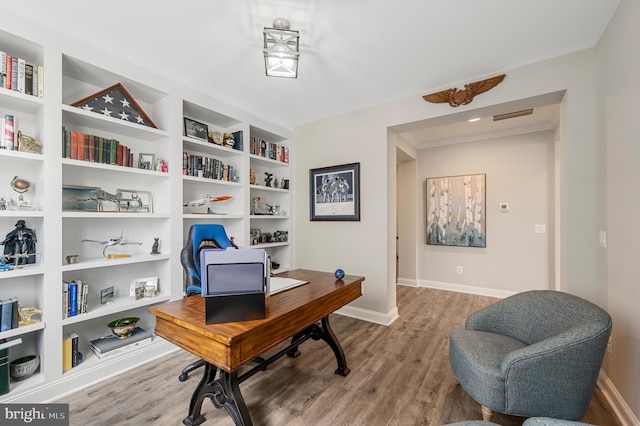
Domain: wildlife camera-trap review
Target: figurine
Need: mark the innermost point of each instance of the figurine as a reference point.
(3, 203)
(25, 314)
(268, 179)
(229, 140)
(156, 244)
(28, 144)
(252, 177)
(20, 244)
(275, 182)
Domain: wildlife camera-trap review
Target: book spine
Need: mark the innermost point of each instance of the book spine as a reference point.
(9, 69)
(40, 81)
(15, 317)
(74, 350)
(73, 299)
(65, 300)
(66, 354)
(21, 75)
(14, 73)
(9, 133)
(35, 80)
(85, 298)
(28, 75)
(5, 315)
(3, 68)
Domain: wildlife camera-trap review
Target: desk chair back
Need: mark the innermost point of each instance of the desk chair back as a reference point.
(201, 235)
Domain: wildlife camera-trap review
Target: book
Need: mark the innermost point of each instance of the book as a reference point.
(15, 314)
(66, 353)
(7, 83)
(28, 79)
(6, 308)
(123, 349)
(65, 300)
(21, 75)
(14, 73)
(40, 81)
(3, 68)
(85, 298)
(9, 133)
(73, 299)
(74, 350)
(110, 343)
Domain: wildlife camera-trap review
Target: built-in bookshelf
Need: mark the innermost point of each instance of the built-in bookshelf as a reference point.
(97, 209)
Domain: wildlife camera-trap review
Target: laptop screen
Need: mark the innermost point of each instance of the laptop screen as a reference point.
(230, 278)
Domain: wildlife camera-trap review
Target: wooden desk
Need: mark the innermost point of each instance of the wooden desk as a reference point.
(226, 347)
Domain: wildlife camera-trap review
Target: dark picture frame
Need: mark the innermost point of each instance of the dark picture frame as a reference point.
(195, 129)
(456, 211)
(335, 193)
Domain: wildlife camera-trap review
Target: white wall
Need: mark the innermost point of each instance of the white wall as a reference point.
(619, 91)
(367, 247)
(407, 196)
(519, 171)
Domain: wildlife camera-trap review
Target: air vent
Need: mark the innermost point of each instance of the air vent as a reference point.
(513, 114)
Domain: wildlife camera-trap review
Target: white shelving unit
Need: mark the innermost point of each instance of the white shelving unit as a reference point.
(74, 71)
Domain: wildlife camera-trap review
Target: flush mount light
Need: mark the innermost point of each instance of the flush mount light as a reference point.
(281, 50)
(473, 120)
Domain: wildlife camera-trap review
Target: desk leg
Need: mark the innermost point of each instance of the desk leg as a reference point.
(328, 336)
(224, 392)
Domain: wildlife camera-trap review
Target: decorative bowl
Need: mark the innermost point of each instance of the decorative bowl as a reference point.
(22, 368)
(123, 327)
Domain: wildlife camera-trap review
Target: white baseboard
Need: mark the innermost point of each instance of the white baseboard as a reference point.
(480, 291)
(369, 316)
(409, 282)
(618, 404)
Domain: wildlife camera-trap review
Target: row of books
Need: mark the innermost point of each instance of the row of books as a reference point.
(70, 352)
(74, 298)
(110, 345)
(207, 167)
(16, 74)
(270, 150)
(8, 314)
(96, 149)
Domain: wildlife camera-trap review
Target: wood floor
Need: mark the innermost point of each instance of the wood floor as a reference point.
(400, 375)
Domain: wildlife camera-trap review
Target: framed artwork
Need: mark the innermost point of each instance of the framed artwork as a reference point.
(132, 201)
(143, 287)
(456, 211)
(147, 161)
(335, 192)
(195, 129)
(79, 198)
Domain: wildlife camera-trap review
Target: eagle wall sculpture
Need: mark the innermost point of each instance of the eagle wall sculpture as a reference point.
(456, 97)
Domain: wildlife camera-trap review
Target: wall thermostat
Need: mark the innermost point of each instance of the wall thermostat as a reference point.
(504, 207)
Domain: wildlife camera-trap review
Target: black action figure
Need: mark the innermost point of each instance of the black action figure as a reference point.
(20, 241)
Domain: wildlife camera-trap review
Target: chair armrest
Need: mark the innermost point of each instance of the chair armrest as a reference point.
(556, 375)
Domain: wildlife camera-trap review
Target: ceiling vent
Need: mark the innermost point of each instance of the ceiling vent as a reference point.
(513, 114)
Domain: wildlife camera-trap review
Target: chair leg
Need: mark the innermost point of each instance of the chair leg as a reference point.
(487, 413)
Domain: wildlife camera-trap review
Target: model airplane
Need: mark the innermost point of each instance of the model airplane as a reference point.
(206, 200)
(121, 241)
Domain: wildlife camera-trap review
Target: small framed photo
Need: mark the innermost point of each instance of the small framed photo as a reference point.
(335, 192)
(195, 129)
(133, 201)
(143, 287)
(147, 161)
(79, 198)
(106, 295)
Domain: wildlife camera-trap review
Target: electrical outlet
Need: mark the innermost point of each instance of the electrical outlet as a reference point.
(459, 269)
(609, 345)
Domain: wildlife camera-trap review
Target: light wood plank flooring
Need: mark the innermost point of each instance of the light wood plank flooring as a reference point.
(400, 375)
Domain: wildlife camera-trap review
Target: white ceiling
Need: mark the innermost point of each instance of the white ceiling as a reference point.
(354, 53)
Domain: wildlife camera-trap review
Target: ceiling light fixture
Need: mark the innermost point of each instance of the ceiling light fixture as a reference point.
(473, 120)
(281, 49)
(513, 114)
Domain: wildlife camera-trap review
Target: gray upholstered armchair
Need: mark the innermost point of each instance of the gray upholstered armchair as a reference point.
(536, 353)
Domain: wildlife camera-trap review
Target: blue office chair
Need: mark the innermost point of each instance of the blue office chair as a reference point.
(201, 235)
